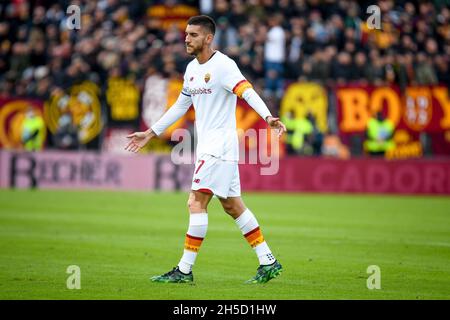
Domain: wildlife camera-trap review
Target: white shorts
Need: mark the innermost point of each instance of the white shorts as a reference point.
(216, 176)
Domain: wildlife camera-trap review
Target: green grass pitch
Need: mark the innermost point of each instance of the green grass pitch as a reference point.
(120, 239)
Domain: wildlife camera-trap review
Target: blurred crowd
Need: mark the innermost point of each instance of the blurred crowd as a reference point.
(330, 42)
(273, 42)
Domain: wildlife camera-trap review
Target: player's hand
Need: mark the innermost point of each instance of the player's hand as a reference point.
(138, 140)
(275, 123)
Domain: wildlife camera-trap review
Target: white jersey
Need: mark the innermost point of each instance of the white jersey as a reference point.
(212, 88)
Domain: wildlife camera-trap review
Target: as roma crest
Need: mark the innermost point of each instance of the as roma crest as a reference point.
(207, 77)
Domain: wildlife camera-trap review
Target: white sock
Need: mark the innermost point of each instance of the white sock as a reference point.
(250, 229)
(198, 225)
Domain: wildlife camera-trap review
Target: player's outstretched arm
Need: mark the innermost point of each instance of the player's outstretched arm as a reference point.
(254, 100)
(235, 82)
(138, 140)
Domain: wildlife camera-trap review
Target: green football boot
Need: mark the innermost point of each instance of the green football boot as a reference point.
(266, 273)
(174, 276)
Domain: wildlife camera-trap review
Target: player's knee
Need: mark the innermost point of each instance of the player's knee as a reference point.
(195, 206)
(233, 209)
(228, 208)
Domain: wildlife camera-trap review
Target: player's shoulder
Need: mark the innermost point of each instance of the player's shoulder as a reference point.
(221, 61)
(191, 64)
(224, 62)
(223, 58)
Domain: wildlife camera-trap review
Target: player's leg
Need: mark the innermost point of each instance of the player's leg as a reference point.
(249, 226)
(198, 225)
(246, 221)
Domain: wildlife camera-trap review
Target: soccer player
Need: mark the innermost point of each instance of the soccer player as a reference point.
(212, 83)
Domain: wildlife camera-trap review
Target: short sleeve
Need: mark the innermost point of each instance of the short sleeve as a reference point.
(233, 80)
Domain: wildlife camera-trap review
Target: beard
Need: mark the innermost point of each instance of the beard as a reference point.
(194, 51)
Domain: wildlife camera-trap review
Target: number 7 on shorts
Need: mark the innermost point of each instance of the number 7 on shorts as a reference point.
(201, 164)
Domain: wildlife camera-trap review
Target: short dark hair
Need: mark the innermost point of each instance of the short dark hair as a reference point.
(204, 21)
